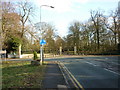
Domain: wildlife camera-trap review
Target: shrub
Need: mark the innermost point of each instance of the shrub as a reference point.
(13, 44)
(35, 55)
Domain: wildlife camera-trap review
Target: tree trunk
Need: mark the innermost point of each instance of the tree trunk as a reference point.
(119, 35)
(98, 43)
(22, 33)
(115, 39)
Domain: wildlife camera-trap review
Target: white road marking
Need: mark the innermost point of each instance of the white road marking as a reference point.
(104, 68)
(111, 71)
(78, 59)
(91, 64)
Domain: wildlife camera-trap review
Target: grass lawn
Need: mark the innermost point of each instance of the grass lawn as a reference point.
(20, 74)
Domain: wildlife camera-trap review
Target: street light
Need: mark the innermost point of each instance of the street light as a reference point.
(44, 6)
(41, 48)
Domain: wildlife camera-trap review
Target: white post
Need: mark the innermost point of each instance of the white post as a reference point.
(5, 55)
(41, 55)
(75, 50)
(19, 51)
(60, 50)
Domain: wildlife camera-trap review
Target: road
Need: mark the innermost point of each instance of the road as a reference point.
(90, 73)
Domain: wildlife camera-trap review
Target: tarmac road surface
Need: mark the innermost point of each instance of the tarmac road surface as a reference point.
(90, 74)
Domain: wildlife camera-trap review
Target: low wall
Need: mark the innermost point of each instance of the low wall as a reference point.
(31, 55)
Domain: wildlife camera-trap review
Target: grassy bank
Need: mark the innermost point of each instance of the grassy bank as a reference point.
(20, 74)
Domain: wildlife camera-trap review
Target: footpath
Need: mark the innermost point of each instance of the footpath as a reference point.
(57, 76)
(53, 77)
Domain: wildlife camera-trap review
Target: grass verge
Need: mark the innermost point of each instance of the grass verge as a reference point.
(20, 74)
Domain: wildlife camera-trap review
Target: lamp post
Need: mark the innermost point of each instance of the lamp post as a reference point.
(41, 47)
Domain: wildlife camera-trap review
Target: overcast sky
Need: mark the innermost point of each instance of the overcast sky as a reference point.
(66, 11)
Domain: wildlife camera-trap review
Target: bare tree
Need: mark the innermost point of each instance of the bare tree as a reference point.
(1, 40)
(119, 26)
(74, 30)
(113, 25)
(49, 35)
(25, 10)
(97, 18)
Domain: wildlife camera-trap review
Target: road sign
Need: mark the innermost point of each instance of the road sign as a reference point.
(42, 42)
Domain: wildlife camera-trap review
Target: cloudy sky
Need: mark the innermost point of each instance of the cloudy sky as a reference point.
(67, 11)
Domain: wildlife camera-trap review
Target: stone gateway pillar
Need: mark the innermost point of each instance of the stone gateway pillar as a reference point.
(75, 50)
(60, 50)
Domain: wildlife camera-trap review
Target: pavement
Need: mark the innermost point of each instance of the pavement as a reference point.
(53, 77)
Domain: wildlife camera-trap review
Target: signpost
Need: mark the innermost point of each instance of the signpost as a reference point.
(42, 42)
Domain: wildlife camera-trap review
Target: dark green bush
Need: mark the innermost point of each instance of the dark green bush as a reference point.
(35, 57)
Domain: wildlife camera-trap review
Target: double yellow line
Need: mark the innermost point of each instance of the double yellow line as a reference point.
(73, 79)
